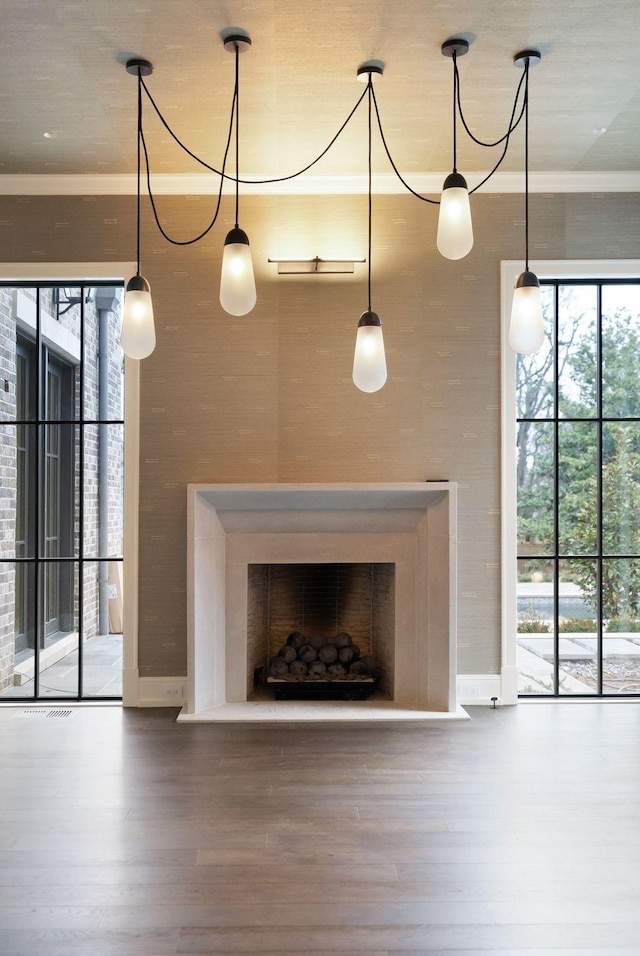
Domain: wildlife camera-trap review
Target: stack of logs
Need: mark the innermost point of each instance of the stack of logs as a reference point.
(316, 658)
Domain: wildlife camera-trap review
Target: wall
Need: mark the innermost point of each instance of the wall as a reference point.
(269, 397)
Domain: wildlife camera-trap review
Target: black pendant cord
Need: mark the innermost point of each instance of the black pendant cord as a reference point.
(504, 148)
(139, 144)
(434, 202)
(163, 232)
(237, 130)
(455, 90)
(252, 182)
(457, 108)
(526, 166)
(513, 125)
(370, 89)
(504, 139)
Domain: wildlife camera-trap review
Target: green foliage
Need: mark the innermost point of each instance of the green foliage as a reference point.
(578, 449)
(578, 625)
(618, 624)
(620, 529)
(530, 623)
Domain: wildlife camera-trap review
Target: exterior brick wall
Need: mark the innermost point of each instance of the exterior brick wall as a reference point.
(11, 302)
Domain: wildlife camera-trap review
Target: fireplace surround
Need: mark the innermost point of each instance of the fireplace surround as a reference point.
(410, 525)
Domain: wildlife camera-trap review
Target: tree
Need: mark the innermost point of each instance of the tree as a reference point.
(620, 583)
(579, 389)
(535, 391)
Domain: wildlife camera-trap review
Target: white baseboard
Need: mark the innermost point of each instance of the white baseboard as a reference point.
(172, 691)
(161, 692)
(480, 688)
(130, 690)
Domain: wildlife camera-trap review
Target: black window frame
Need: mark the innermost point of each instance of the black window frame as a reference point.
(556, 557)
(74, 425)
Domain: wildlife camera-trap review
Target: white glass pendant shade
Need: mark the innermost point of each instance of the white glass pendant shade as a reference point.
(237, 284)
(526, 330)
(138, 336)
(369, 362)
(455, 231)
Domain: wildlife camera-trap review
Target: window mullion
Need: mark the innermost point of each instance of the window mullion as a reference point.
(556, 498)
(38, 489)
(599, 496)
(81, 484)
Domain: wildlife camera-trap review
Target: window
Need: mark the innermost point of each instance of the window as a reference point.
(62, 436)
(577, 449)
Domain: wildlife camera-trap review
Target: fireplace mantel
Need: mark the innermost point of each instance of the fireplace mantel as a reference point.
(411, 524)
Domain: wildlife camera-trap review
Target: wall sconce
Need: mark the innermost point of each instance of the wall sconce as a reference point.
(315, 266)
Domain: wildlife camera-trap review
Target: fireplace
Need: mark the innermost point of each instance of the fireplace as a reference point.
(405, 532)
(330, 627)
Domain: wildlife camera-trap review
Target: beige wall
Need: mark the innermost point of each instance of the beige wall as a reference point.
(269, 397)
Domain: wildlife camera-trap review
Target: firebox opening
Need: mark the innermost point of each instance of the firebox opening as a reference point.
(330, 607)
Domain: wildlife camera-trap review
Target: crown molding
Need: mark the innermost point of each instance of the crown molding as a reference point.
(383, 183)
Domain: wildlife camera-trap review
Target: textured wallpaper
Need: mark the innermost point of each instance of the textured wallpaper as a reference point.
(268, 397)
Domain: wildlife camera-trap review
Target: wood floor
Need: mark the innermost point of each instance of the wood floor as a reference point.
(123, 833)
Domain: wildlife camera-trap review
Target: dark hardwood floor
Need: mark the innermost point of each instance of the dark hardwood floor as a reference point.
(123, 833)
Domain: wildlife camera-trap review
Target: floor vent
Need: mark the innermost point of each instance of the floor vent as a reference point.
(43, 712)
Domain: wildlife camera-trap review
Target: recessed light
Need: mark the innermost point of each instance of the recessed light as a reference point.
(50, 135)
(599, 130)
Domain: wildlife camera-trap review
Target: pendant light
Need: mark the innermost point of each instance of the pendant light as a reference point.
(455, 231)
(237, 283)
(138, 336)
(526, 329)
(369, 362)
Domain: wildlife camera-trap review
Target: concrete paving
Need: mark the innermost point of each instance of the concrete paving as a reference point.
(102, 672)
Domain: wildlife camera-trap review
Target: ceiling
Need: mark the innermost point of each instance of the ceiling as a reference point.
(62, 73)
